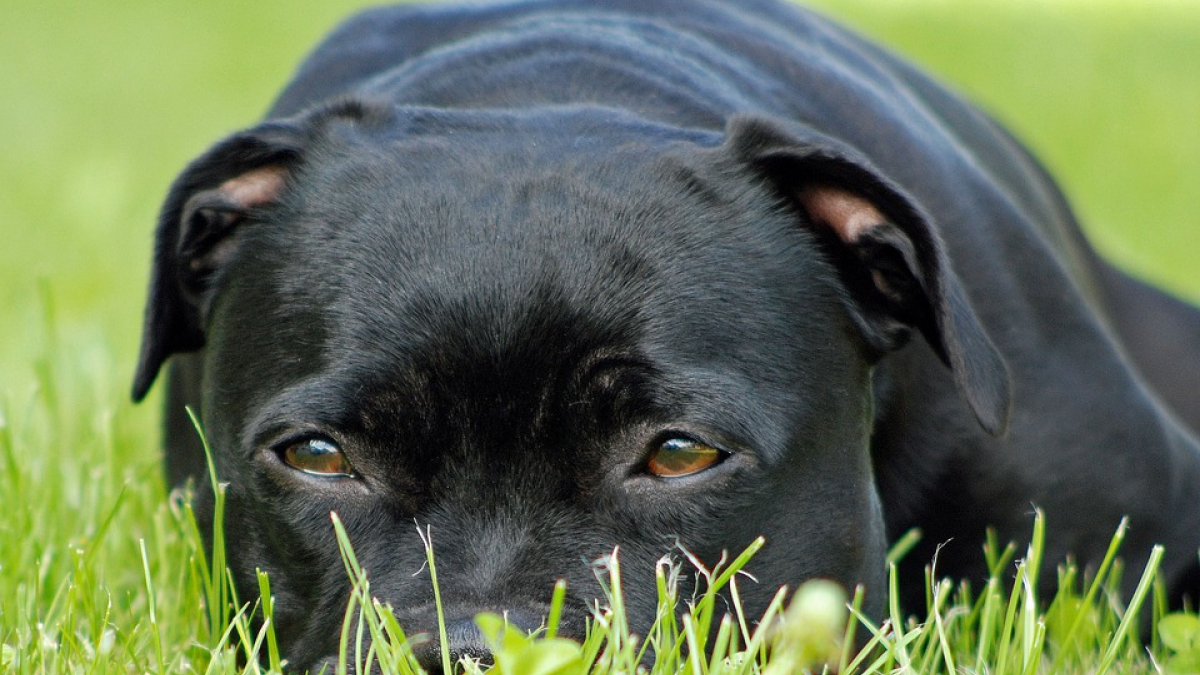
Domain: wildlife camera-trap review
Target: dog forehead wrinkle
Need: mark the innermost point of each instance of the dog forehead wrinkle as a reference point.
(393, 214)
(435, 253)
(468, 384)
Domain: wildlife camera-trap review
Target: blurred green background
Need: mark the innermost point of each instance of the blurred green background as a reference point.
(102, 103)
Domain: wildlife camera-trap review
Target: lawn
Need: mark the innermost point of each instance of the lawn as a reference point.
(104, 102)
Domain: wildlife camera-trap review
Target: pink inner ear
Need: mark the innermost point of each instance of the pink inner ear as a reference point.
(846, 213)
(255, 188)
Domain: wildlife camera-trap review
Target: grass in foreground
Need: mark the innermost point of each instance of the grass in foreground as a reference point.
(101, 573)
(997, 631)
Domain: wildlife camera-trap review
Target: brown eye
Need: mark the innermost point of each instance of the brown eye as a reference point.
(317, 456)
(682, 457)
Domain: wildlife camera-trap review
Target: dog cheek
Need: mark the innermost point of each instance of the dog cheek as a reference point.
(828, 531)
(298, 551)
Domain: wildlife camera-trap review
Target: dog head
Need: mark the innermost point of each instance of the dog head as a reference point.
(542, 335)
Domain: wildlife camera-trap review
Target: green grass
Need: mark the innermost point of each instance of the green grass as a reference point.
(104, 102)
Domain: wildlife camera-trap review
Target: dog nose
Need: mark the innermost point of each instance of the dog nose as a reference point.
(466, 640)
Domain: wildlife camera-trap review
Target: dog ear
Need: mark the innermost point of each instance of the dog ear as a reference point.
(888, 255)
(232, 183)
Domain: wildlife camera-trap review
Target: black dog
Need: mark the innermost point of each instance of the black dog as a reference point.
(549, 277)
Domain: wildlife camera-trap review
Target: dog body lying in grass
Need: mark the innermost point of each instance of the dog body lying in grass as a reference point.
(548, 278)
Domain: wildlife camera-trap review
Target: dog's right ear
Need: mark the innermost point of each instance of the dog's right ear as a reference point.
(231, 184)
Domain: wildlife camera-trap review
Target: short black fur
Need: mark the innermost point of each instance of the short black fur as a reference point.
(496, 255)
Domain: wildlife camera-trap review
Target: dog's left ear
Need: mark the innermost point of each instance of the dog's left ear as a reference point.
(232, 183)
(888, 255)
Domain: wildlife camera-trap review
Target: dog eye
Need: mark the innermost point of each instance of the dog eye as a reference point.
(317, 456)
(677, 457)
